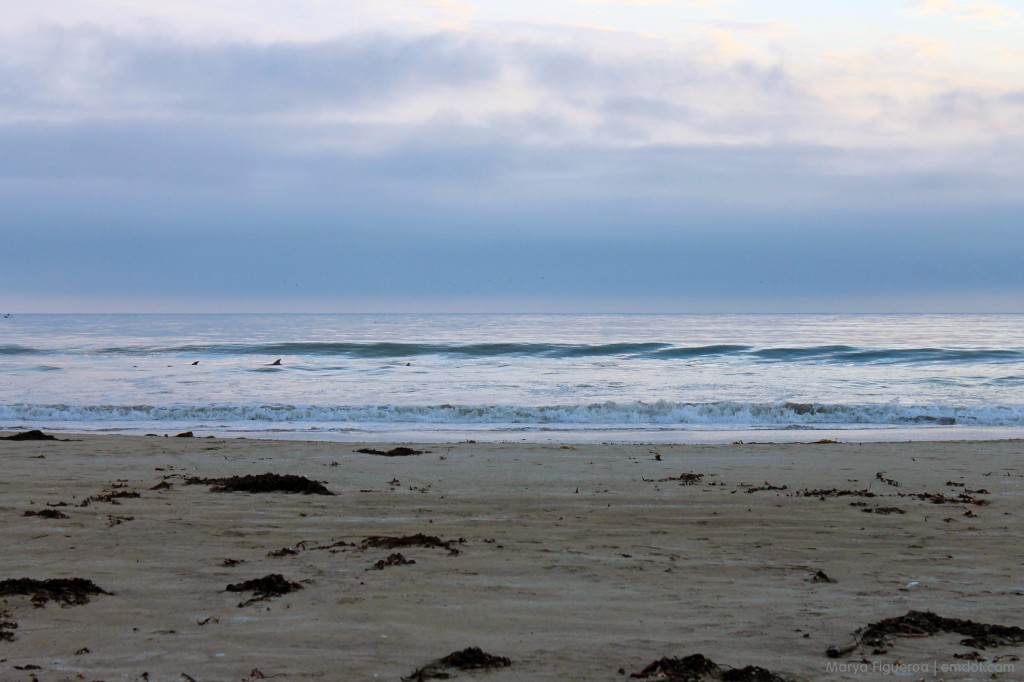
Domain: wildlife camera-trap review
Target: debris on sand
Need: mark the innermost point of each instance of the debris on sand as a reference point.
(688, 478)
(66, 591)
(417, 540)
(963, 498)
(888, 481)
(393, 452)
(7, 627)
(34, 434)
(284, 551)
(395, 559)
(273, 585)
(698, 668)
(472, 658)
(834, 492)
(926, 623)
(47, 514)
(883, 510)
(263, 483)
(822, 577)
(766, 486)
(305, 545)
(111, 496)
(185, 434)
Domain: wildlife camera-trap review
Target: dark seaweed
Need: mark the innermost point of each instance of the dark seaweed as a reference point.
(417, 540)
(47, 514)
(472, 658)
(273, 585)
(263, 483)
(924, 623)
(65, 591)
(699, 668)
(34, 434)
(393, 452)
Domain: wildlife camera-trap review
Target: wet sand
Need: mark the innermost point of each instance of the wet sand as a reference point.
(572, 561)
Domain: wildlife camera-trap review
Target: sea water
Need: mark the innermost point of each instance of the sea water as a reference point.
(686, 378)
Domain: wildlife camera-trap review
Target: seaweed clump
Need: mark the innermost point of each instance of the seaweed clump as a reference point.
(65, 591)
(417, 540)
(34, 434)
(272, 585)
(926, 623)
(396, 559)
(47, 514)
(471, 658)
(7, 627)
(263, 483)
(699, 668)
(393, 452)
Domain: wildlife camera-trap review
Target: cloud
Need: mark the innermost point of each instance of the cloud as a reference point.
(468, 117)
(966, 10)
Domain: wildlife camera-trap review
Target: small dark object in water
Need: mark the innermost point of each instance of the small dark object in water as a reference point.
(272, 585)
(698, 668)
(276, 363)
(822, 577)
(923, 623)
(417, 540)
(393, 452)
(47, 514)
(195, 363)
(231, 563)
(34, 434)
(263, 483)
(395, 559)
(185, 434)
(67, 591)
(472, 658)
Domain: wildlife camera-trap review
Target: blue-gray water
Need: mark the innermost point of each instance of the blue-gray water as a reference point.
(564, 377)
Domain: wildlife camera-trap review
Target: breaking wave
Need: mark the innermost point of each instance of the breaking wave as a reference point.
(830, 354)
(661, 413)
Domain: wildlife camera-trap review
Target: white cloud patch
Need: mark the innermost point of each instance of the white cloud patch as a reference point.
(971, 10)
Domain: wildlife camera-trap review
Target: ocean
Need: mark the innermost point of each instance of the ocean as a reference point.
(571, 378)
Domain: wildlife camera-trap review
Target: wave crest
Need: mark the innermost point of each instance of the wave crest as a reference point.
(660, 413)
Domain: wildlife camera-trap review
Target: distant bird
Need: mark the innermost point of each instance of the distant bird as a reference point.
(275, 363)
(195, 363)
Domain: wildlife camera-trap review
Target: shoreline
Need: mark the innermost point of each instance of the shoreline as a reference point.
(574, 560)
(577, 436)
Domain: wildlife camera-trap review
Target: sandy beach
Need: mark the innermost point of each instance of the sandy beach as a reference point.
(574, 562)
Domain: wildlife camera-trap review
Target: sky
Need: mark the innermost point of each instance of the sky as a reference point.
(500, 156)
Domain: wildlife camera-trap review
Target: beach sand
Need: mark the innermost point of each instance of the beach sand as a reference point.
(572, 561)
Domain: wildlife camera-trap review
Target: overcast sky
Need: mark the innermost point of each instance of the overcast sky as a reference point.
(491, 155)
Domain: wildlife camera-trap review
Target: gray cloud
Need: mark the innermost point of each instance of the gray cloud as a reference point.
(237, 78)
(160, 167)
